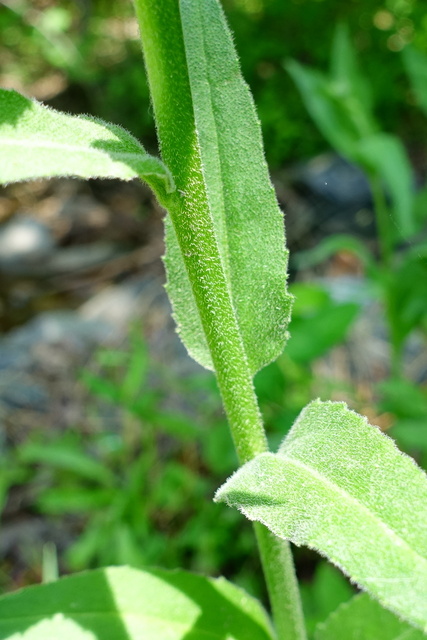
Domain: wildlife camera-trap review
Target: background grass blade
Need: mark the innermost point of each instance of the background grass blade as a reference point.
(340, 486)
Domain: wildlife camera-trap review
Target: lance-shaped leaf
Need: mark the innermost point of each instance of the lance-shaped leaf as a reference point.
(362, 618)
(246, 218)
(121, 603)
(385, 155)
(38, 142)
(341, 108)
(416, 67)
(340, 486)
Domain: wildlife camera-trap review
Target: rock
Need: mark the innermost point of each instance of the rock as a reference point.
(335, 179)
(118, 305)
(21, 392)
(79, 258)
(338, 193)
(24, 243)
(65, 329)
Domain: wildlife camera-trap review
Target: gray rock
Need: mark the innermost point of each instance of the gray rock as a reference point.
(24, 242)
(333, 178)
(63, 328)
(81, 258)
(118, 305)
(338, 194)
(21, 392)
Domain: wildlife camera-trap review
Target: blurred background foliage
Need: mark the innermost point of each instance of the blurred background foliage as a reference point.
(90, 49)
(132, 481)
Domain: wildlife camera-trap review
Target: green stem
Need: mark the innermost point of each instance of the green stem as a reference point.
(382, 215)
(166, 66)
(383, 219)
(282, 584)
(165, 61)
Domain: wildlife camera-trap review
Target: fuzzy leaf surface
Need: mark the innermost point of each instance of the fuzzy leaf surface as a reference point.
(340, 486)
(38, 142)
(246, 218)
(120, 603)
(362, 618)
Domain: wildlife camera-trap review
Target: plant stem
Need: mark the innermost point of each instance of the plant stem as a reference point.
(382, 215)
(165, 61)
(282, 584)
(166, 66)
(383, 218)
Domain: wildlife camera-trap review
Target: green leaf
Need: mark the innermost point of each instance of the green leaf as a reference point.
(314, 335)
(68, 457)
(345, 69)
(66, 500)
(416, 67)
(125, 604)
(246, 218)
(385, 155)
(38, 142)
(364, 619)
(321, 596)
(335, 107)
(328, 247)
(340, 486)
(340, 112)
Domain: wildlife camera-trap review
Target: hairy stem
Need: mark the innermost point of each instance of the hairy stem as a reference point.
(170, 91)
(165, 61)
(279, 572)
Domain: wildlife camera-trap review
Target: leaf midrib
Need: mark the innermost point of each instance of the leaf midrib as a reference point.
(48, 144)
(350, 498)
(224, 249)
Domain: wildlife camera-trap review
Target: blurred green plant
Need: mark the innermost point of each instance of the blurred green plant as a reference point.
(336, 483)
(127, 494)
(340, 104)
(41, 37)
(324, 594)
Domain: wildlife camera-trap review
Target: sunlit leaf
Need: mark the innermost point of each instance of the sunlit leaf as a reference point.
(126, 604)
(247, 221)
(38, 142)
(340, 486)
(362, 618)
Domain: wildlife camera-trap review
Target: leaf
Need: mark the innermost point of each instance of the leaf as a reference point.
(361, 618)
(340, 107)
(345, 70)
(385, 154)
(121, 603)
(334, 106)
(38, 142)
(416, 67)
(340, 486)
(68, 458)
(66, 500)
(246, 218)
(327, 590)
(328, 247)
(314, 335)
